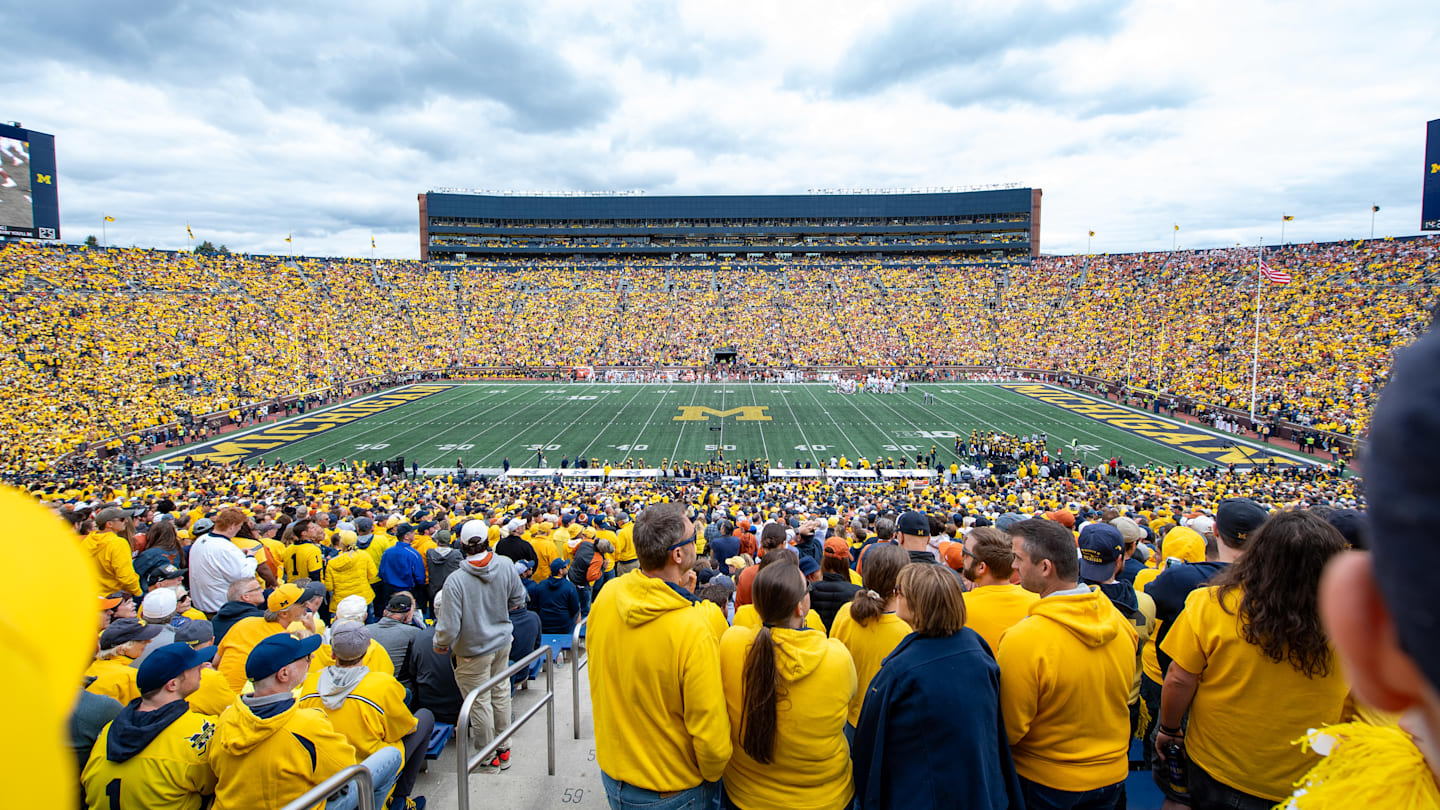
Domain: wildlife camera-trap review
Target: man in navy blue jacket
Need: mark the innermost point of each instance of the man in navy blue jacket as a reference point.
(402, 569)
(556, 601)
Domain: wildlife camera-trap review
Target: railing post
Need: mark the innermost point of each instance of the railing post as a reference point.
(550, 707)
(358, 773)
(575, 666)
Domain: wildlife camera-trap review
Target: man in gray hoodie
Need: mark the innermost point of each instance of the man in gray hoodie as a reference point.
(349, 688)
(473, 622)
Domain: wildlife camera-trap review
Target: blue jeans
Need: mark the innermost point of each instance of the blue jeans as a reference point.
(384, 766)
(622, 796)
(584, 591)
(1040, 797)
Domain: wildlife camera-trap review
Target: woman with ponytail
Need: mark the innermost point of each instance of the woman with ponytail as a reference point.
(787, 689)
(868, 625)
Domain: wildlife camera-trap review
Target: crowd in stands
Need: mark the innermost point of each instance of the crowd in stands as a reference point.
(99, 343)
(797, 643)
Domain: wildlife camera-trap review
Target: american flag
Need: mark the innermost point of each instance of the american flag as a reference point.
(1274, 275)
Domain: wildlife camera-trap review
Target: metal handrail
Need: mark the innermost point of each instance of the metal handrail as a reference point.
(465, 763)
(355, 773)
(575, 666)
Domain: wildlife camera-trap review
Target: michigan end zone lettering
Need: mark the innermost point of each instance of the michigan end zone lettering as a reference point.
(277, 436)
(1181, 437)
(700, 413)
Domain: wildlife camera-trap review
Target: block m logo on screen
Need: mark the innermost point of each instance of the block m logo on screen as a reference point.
(700, 413)
(44, 179)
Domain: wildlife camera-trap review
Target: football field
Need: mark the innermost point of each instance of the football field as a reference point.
(438, 425)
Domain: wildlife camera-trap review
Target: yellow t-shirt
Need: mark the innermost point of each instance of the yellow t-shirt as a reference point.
(993, 609)
(1249, 710)
(868, 645)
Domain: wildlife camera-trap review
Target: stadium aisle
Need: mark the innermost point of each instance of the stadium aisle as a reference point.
(526, 784)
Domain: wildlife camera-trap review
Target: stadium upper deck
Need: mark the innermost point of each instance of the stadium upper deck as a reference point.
(976, 226)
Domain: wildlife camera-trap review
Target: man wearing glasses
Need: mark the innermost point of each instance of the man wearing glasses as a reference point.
(661, 730)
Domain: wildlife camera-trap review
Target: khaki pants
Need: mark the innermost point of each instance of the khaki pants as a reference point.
(490, 713)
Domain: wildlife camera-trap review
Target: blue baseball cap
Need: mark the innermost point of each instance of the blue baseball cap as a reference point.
(1100, 546)
(277, 652)
(169, 662)
(556, 566)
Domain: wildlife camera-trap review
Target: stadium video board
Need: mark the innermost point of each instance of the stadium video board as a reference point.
(1430, 200)
(29, 205)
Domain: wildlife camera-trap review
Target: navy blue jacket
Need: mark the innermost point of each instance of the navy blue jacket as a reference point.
(945, 691)
(723, 548)
(558, 603)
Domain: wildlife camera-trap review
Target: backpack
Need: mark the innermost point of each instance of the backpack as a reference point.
(596, 569)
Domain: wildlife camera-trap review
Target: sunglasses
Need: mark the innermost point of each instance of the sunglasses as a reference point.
(687, 541)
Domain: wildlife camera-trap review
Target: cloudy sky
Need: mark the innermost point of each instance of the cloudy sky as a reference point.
(251, 121)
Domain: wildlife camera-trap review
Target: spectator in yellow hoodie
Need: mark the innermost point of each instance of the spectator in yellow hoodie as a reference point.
(267, 750)
(111, 552)
(787, 693)
(1065, 676)
(661, 727)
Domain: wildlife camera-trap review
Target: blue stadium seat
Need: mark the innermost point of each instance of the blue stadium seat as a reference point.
(559, 642)
(439, 738)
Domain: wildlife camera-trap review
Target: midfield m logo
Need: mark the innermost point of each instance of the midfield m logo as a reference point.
(700, 413)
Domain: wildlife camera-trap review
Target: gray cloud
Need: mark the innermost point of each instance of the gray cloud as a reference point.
(937, 37)
(352, 63)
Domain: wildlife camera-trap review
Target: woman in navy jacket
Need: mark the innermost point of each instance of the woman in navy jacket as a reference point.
(930, 733)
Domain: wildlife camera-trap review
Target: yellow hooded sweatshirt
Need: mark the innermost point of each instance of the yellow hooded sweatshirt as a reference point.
(745, 616)
(811, 766)
(111, 557)
(655, 685)
(1065, 675)
(270, 761)
(351, 572)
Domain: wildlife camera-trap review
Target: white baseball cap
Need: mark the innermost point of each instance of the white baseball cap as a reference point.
(158, 604)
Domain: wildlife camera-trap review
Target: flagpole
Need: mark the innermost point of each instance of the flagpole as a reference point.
(1282, 230)
(105, 239)
(1373, 209)
(1255, 359)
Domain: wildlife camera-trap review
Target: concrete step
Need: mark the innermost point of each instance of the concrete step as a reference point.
(526, 783)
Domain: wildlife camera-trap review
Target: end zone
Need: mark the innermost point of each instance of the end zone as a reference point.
(262, 439)
(1217, 448)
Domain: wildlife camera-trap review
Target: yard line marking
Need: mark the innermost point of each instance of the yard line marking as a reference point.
(760, 425)
(532, 426)
(658, 403)
(813, 457)
(601, 431)
(906, 420)
(681, 434)
(840, 430)
(432, 436)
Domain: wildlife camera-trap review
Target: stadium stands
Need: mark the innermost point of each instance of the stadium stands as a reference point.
(104, 343)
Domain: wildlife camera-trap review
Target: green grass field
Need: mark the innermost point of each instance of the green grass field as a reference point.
(483, 423)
